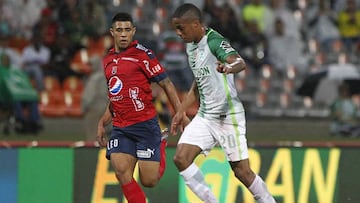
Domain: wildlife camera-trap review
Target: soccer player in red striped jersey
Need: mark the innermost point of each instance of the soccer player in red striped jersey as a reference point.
(130, 68)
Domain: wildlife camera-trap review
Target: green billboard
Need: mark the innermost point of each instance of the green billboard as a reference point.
(83, 175)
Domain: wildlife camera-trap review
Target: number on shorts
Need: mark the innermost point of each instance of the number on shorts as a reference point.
(228, 140)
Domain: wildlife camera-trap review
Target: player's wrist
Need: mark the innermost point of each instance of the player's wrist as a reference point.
(236, 62)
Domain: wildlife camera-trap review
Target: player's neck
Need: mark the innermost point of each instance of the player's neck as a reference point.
(119, 50)
(202, 32)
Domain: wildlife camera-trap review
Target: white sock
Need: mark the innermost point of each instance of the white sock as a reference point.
(260, 191)
(196, 182)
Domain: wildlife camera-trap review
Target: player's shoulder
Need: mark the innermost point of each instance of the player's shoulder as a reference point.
(213, 35)
(108, 57)
(216, 41)
(141, 49)
(109, 53)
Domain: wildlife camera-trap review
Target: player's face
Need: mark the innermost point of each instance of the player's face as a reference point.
(123, 33)
(185, 29)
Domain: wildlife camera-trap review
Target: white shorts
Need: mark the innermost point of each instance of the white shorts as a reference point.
(229, 133)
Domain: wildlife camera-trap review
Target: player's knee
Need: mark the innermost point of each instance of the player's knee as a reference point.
(180, 162)
(149, 182)
(120, 175)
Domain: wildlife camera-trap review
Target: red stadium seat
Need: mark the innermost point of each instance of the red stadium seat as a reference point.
(73, 104)
(79, 63)
(98, 46)
(51, 83)
(73, 88)
(73, 84)
(52, 103)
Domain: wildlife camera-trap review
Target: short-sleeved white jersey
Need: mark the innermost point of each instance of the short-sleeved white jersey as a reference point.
(218, 95)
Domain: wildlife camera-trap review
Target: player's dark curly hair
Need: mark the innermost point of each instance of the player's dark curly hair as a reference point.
(188, 10)
(122, 17)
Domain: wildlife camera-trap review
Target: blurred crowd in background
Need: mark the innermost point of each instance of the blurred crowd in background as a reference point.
(59, 44)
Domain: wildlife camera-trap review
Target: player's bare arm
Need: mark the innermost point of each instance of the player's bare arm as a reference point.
(104, 121)
(171, 93)
(233, 64)
(180, 120)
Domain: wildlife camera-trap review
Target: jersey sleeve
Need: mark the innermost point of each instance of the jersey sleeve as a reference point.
(219, 46)
(152, 68)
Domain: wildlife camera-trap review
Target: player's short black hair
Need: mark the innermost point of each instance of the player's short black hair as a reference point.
(122, 17)
(190, 10)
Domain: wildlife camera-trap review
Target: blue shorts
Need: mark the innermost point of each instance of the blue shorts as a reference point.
(141, 140)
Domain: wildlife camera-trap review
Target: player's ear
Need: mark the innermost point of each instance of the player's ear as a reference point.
(134, 30)
(111, 32)
(196, 23)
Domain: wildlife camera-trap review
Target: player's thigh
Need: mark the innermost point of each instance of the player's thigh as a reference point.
(197, 133)
(123, 165)
(120, 142)
(186, 153)
(149, 172)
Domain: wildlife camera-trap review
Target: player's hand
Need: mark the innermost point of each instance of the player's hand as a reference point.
(185, 122)
(179, 122)
(100, 137)
(223, 68)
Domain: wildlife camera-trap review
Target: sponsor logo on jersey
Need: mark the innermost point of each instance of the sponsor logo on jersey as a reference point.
(134, 96)
(112, 144)
(115, 85)
(201, 72)
(226, 47)
(116, 60)
(116, 98)
(145, 153)
(146, 50)
(113, 70)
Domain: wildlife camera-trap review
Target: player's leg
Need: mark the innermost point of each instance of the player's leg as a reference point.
(163, 144)
(253, 182)
(191, 173)
(149, 172)
(121, 152)
(193, 141)
(124, 165)
(231, 136)
(150, 151)
(152, 167)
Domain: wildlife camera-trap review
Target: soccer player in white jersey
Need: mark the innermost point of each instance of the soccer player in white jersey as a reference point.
(220, 118)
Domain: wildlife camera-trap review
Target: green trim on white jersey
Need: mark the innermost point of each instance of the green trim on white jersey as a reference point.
(218, 95)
